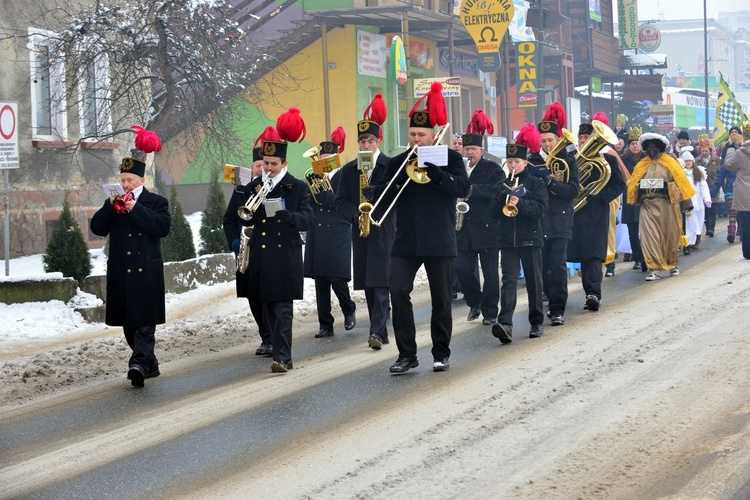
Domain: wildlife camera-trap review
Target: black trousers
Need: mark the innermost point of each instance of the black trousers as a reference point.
(142, 340)
(340, 287)
(634, 235)
(743, 218)
(280, 317)
(555, 274)
(260, 315)
(591, 277)
(466, 266)
(378, 304)
(511, 260)
(439, 272)
(710, 218)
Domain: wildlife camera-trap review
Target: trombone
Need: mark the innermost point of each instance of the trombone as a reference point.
(414, 173)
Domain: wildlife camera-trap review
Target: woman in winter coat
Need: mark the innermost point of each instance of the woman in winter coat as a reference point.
(738, 160)
(701, 199)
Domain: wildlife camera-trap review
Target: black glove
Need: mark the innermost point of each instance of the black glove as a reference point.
(369, 193)
(236, 247)
(285, 216)
(433, 171)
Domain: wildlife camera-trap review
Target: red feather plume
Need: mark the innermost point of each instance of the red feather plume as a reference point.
(377, 110)
(530, 137)
(339, 137)
(480, 124)
(146, 140)
(435, 105)
(556, 113)
(290, 126)
(269, 134)
(600, 116)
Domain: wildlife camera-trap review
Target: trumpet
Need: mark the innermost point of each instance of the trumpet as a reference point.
(510, 210)
(252, 205)
(119, 202)
(414, 173)
(461, 208)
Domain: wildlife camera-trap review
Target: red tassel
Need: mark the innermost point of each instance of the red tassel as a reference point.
(146, 140)
(480, 124)
(556, 113)
(530, 137)
(436, 105)
(377, 110)
(269, 134)
(290, 125)
(339, 137)
(599, 115)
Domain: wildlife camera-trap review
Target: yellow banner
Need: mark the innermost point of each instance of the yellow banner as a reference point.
(487, 21)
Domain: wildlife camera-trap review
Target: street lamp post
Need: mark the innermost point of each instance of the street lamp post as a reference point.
(705, 58)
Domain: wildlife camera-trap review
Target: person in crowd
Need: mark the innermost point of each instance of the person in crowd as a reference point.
(425, 234)
(328, 245)
(371, 244)
(276, 270)
(520, 207)
(591, 224)
(233, 227)
(457, 144)
(702, 198)
(658, 185)
(711, 164)
(135, 223)
(620, 147)
(725, 180)
(562, 184)
(477, 236)
(738, 160)
(630, 214)
(683, 143)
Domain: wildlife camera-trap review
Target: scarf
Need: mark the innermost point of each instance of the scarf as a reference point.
(666, 161)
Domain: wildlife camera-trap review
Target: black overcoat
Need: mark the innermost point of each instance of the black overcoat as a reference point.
(630, 213)
(232, 229)
(426, 225)
(328, 246)
(480, 228)
(525, 229)
(591, 223)
(275, 272)
(558, 221)
(135, 269)
(372, 255)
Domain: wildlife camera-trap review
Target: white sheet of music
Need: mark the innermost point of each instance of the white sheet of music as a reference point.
(437, 155)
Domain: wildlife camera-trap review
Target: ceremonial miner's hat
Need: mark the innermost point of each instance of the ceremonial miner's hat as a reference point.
(373, 118)
(479, 125)
(529, 137)
(146, 142)
(336, 144)
(554, 120)
(289, 128)
(516, 151)
(434, 114)
(257, 154)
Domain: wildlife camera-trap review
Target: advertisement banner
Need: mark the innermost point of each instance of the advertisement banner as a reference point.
(451, 86)
(527, 75)
(421, 52)
(465, 64)
(595, 10)
(649, 37)
(627, 15)
(487, 21)
(398, 60)
(371, 54)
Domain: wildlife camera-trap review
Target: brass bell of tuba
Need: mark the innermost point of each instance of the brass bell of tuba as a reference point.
(556, 163)
(593, 170)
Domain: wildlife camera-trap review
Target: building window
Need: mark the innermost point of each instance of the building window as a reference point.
(48, 115)
(96, 115)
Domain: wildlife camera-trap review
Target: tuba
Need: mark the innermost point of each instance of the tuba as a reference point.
(556, 159)
(243, 257)
(593, 170)
(252, 205)
(510, 210)
(316, 182)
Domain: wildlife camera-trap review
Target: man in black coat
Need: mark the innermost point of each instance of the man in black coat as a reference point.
(591, 228)
(233, 226)
(558, 220)
(372, 253)
(630, 213)
(425, 235)
(477, 238)
(328, 252)
(135, 269)
(521, 241)
(275, 272)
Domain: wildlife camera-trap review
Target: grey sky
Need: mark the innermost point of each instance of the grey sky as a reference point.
(683, 9)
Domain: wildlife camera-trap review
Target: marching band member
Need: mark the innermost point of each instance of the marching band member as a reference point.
(328, 247)
(425, 235)
(233, 225)
(371, 247)
(135, 224)
(477, 237)
(558, 220)
(591, 226)
(275, 271)
(520, 209)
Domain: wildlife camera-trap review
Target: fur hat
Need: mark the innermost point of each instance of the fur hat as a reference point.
(659, 139)
(687, 155)
(683, 135)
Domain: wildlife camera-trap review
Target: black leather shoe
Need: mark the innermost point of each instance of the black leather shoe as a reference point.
(375, 342)
(503, 332)
(136, 375)
(710, 234)
(323, 333)
(730, 238)
(489, 321)
(592, 303)
(403, 365)
(264, 350)
(349, 322)
(557, 320)
(153, 373)
(473, 314)
(536, 331)
(281, 367)
(441, 365)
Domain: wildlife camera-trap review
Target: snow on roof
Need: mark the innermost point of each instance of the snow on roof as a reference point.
(643, 61)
